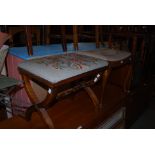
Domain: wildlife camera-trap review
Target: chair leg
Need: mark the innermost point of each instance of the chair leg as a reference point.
(97, 30)
(75, 37)
(29, 40)
(64, 43)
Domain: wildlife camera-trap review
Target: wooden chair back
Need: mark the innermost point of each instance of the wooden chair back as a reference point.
(15, 30)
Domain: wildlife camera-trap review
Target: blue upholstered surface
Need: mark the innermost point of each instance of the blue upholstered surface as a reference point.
(44, 50)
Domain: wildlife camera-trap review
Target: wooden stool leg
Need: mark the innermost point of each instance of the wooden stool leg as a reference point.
(38, 107)
(105, 78)
(43, 113)
(29, 90)
(46, 117)
(93, 96)
(32, 95)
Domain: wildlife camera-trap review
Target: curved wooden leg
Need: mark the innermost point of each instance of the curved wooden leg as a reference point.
(105, 78)
(92, 96)
(98, 103)
(42, 112)
(128, 79)
(36, 105)
(28, 87)
(46, 117)
(30, 110)
(32, 95)
(50, 97)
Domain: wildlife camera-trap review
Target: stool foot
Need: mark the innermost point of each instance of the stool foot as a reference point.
(43, 113)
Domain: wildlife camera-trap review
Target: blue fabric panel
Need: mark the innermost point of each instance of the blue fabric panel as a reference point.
(43, 50)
